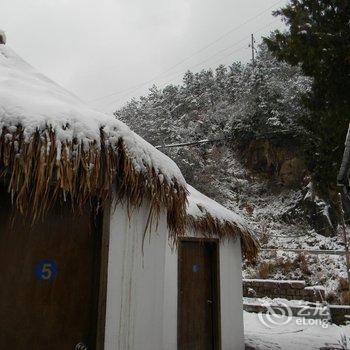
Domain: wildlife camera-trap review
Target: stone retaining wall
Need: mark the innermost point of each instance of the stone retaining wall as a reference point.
(291, 290)
(320, 313)
(338, 314)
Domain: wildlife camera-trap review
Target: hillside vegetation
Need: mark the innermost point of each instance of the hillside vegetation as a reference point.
(241, 105)
(256, 167)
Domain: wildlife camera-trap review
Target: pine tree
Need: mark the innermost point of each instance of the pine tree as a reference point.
(267, 103)
(319, 41)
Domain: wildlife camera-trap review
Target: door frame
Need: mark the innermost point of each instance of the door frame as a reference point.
(102, 250)
(216, 287)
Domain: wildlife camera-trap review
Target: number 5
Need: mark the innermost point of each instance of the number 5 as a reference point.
(46, 272)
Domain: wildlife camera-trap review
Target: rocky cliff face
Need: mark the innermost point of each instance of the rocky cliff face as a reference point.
(285, 167)
(272, 188)
(283, 163)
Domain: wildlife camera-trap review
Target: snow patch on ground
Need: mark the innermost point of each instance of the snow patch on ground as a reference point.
(291, 336)
(274, 302)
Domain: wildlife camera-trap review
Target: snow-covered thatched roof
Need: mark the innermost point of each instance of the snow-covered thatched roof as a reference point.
(52, 145)
(213, 219)
(55, 147)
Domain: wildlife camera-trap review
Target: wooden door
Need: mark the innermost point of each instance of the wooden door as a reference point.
(48, 280)
(198, 295)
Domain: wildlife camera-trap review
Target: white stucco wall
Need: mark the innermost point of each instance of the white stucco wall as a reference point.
(232, 332)
(135, 289)
(142, 289)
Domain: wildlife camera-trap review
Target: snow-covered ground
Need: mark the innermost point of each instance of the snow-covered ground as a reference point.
(275, 213)
(274, 302)
(294, 334)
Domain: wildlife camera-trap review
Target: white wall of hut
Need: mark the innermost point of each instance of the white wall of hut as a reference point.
(142, 286)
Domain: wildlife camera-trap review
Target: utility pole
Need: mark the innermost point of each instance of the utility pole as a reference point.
(345, 239)
(253, 49)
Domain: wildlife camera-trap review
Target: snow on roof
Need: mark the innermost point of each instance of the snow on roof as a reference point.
(30, 99)
(45, 125)
(213, 219)
(263, 280)
(70, 135)
(200, 205)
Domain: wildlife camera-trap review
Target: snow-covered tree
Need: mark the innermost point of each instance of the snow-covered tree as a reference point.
(261, 101)
(267, 104)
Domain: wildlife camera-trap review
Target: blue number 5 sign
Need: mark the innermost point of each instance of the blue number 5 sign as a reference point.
(46, 270)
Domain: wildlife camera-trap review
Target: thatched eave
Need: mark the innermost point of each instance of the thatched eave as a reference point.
(213, 220)
(55, 147)
(38, 173)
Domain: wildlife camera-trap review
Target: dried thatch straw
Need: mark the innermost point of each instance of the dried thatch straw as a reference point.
(209, 226)
(39, 171)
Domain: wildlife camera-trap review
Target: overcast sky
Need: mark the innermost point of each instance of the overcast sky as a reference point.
(102, 47)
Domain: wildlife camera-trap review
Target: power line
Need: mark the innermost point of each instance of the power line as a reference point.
(210, 57)
(178, 73)
(225, 49)
(192, 55)
(192, 143)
